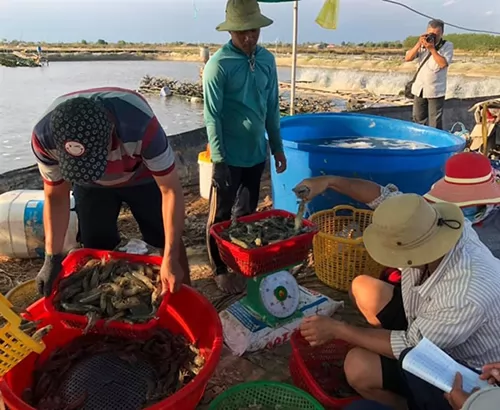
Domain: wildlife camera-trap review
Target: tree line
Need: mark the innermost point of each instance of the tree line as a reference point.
(466, 42)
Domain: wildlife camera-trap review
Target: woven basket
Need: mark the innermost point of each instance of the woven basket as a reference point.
(339, 252)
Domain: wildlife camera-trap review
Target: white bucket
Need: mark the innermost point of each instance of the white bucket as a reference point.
(205, 171)
(21, 225)
(204, 54)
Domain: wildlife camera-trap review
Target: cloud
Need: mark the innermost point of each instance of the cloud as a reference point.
(489, 13)
(449, 3)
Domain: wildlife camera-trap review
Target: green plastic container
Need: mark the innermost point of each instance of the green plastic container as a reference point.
(270, 395)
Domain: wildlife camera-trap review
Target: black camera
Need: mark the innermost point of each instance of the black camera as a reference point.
(430, 38)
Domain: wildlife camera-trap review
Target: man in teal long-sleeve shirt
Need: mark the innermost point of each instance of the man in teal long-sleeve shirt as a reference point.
(240, 85)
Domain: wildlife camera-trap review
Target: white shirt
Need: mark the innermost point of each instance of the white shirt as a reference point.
(431, 79)
(458, 306)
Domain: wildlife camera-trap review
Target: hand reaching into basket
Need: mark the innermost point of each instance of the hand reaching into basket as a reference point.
(318, 330)
(311, 187)
(52, 266)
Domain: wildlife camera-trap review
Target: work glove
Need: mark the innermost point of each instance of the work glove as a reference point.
(48, 274)
(221, 177)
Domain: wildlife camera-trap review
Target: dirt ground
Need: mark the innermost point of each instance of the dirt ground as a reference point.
(265, 365)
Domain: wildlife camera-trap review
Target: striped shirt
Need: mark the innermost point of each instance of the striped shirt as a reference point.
(139, 146)
(458, 306)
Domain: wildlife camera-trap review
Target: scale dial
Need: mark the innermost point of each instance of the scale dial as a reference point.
(279, 293)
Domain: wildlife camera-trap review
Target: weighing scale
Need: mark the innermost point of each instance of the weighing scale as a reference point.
(274, 297)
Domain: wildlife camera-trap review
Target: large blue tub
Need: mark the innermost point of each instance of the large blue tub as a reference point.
(412, 170)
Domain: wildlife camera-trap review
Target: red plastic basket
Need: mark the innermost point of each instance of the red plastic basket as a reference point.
(76, 260)
(308, 370)
(266, 259)
(186, 312)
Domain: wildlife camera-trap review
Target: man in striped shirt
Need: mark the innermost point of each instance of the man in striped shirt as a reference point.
(109, 145)
(450, 294)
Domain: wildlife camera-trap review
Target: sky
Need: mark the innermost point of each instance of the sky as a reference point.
(160, 21)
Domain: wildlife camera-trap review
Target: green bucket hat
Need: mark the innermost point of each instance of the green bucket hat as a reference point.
(242, 15)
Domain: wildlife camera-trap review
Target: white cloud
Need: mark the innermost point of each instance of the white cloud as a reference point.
(449, 2)
(489, 13)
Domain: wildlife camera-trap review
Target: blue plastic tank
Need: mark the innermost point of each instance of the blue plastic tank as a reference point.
(412, 170)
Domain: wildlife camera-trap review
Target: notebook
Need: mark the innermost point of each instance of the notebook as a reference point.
(430, 363)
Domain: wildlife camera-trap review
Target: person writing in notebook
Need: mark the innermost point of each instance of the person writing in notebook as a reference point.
(485, 399)
(450, 294)
(478, 400)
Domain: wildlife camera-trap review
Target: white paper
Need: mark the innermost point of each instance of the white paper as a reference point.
(430, 363)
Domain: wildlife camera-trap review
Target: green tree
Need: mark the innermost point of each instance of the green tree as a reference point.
(122, 43)
(84, 42)
(101, 42)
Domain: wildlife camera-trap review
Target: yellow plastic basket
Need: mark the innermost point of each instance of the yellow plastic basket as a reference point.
(15, 345)
(339, 252)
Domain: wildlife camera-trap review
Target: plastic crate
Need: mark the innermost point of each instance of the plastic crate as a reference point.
(308, 370)
(338, 260)
(265, 393)
(266, 259)
(15, 345)
(180, 315)
(76, 260)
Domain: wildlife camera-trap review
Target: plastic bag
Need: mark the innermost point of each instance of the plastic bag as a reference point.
(328, 16)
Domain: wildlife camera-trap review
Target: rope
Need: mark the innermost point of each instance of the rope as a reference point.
(446, 23)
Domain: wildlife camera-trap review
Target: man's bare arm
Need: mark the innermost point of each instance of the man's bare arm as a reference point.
(440, 60)
(375, 340)
(361, 190)
(412, 53)
(173, 212)
(56, 210)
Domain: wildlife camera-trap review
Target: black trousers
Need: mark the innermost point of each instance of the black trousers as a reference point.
(428, 111)
(98, 209)
(240, 199)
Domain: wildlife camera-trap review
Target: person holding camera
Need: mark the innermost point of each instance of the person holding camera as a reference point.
(428, 87)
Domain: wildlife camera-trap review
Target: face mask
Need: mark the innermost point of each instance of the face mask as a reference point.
(476, 214)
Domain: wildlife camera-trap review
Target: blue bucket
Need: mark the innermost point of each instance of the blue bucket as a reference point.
(412, 170)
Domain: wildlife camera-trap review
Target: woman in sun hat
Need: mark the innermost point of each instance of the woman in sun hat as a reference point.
(449, 294)
(241, 105)
(471, 183)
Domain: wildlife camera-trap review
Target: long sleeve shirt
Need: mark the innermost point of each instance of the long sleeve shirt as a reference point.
(241, 98)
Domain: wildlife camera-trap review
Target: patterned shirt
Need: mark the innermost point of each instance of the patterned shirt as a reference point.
(139, 146)
(458, 306)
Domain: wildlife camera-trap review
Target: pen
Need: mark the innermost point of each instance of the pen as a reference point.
(479, 372)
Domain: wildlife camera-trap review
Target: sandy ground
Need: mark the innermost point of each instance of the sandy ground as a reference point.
(232, 370)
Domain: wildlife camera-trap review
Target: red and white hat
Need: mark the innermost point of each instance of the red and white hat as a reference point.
(469, 180)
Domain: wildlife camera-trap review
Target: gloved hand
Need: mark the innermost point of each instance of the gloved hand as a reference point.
(50, 269)
(221, 176)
